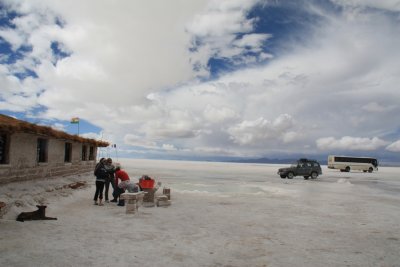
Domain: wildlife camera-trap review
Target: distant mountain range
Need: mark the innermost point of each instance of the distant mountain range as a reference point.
(272, 161)
(322, 159)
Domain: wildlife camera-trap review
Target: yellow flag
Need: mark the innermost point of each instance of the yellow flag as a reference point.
(75, 120)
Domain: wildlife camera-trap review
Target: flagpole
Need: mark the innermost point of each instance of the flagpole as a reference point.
(75, 120)
(116, 151)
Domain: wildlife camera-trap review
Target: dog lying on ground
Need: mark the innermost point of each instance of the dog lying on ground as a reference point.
(34, 215)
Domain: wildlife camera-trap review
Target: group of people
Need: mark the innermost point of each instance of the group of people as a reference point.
(106, 173)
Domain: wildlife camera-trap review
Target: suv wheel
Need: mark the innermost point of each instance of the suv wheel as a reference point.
(306, 177)
(283, 176)
(314, 175)
(290, 175)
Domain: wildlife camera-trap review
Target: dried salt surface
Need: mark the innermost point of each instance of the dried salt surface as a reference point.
(222, 214)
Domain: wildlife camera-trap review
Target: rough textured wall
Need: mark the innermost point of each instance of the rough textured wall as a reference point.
(23, 164)
(55, 151)
(23, 149)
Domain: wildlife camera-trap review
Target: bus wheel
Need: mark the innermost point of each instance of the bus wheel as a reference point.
(370, 169)
(314, 175)
(290, 175)
(347, 169)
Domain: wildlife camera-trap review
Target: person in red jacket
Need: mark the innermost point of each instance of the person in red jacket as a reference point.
(121, 182)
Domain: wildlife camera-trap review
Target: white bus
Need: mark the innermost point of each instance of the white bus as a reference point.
(345, 164)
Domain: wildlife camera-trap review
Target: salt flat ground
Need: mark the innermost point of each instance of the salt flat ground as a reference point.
(222, 214)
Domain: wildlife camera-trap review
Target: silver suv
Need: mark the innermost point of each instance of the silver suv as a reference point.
(303, 167)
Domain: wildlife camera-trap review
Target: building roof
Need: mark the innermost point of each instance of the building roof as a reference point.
(12, 125)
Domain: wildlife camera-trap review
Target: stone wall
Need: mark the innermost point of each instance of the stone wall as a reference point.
(23, 165)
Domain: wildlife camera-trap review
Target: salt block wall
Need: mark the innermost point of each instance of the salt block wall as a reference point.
(23, 165)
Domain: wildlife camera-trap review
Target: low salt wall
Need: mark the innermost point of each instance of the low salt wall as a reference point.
(9, 174)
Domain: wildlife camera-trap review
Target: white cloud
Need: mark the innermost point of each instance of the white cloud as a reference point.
(139, 141)
(218, 114)
(216, 151)
(252, 41)
(375, 107)
(58, 126)
(350, 143)
(176, 124)
(12, 37)
(128, 54)
(394, 147)
(142, 142)
(291, 136)
(169, 147)
(391, 5)
(133, 73)
(95, 136)
(260, 130)
(214, 33)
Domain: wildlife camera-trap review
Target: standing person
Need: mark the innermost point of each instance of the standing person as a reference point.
(120, 187)
(110, 168)
(101, 174)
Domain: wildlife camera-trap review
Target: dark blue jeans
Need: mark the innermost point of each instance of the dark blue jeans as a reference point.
(99, 190)
(117, 192)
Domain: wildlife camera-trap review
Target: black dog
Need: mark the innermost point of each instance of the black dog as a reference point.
(34, 215)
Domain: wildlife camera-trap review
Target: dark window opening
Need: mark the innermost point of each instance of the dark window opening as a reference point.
(41, 150)
(3, 149)
(91, 153)
(68, 152)
(84, 153)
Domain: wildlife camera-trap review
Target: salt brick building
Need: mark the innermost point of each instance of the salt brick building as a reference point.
(29, 151)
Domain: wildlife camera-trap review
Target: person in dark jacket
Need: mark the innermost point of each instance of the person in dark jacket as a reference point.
(101, 174)
(110, 168)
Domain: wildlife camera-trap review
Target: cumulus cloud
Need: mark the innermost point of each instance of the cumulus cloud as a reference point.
(214, 34)
(218, 114)
(260, 130)
(91, 135)
(58, 126)
(394, 147)
(350, 143)
(107, 53)
(139, 141)
(136, 77)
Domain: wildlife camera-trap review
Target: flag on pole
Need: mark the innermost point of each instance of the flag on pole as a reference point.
(75, 120)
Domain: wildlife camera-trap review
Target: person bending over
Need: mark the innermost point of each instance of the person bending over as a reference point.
(121, 182)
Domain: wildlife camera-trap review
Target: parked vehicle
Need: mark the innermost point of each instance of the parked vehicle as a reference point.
(345, 163)
(303, 167)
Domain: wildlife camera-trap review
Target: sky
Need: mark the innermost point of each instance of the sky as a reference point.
(208, 79)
